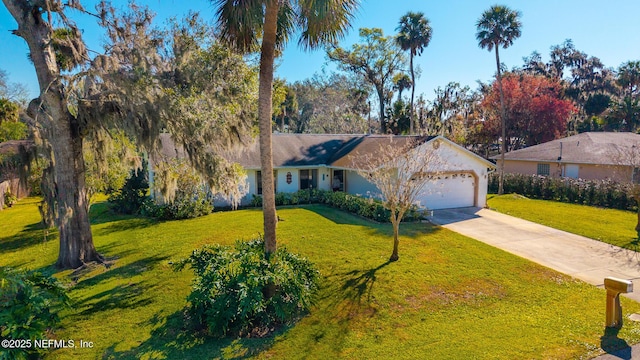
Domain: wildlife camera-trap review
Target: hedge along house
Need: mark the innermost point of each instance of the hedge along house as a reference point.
(590, 156)
(329, 162)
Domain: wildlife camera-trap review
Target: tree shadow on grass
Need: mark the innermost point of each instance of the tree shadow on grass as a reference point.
(32, 234)
(122, 272)
(410, 229)
(612, 344)
(126, 296)
(358, 284)
(339, 216)
(346, 297)
(127, 224)
(174, 339)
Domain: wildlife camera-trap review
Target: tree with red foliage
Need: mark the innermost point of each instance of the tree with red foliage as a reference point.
(535, 110)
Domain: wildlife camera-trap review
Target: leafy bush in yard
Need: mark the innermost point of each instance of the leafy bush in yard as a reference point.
(29, 302)
(366, 207)
(228, 292)
(189, 196)
(182, 207)
(130, 198)
(602, 193)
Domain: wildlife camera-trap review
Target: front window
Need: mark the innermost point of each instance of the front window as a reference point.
(544, 169)
(309, 179)
(259, 181)
(337, 183)
(635, 177)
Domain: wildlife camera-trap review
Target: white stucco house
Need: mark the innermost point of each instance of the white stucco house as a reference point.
(303, 161)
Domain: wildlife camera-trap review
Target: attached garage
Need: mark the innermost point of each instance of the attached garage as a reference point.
(454, 190)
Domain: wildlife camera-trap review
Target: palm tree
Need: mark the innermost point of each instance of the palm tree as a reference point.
(243, 24)
(499, 26)
(414, 35)
(401, 82)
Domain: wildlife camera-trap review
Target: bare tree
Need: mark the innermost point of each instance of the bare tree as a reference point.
(401, 171)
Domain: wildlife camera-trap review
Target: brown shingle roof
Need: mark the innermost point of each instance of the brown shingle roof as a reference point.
(306, 149)
(603, 148)
(295, 150)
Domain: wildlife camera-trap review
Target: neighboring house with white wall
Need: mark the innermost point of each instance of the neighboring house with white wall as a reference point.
(589, 156)
(320, 161)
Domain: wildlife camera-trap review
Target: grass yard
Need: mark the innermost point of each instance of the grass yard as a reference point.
(449, 297)
(615, 227)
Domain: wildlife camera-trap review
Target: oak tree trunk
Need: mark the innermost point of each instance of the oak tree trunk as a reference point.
(63, 134)
(71, 197)
(264, 119)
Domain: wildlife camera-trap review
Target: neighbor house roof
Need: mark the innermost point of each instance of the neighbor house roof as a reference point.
(12, 147)
(604, 148)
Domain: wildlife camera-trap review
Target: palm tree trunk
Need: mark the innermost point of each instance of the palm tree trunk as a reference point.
(503, 147)
(413, 88)
(267, 56)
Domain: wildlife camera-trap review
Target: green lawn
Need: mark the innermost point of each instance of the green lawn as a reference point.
(449, 297)
(616, 227)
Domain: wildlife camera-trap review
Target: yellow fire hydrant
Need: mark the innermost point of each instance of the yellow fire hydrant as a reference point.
(615, 287)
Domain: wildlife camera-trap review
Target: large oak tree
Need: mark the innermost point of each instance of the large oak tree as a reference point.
(377, 59)
(200, 92)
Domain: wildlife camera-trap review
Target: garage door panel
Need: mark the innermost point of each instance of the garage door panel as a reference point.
(451, 191)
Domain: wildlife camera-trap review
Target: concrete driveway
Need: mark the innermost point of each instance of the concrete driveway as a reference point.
(578, 256)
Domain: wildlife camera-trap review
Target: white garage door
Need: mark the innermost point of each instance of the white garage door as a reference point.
(450, 191)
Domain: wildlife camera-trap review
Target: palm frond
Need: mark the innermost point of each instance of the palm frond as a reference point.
(287, 19)
(498, 26)
(414, 32)
(324, 21)
(240, 22)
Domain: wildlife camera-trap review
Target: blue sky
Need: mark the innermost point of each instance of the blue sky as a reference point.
(608, 30)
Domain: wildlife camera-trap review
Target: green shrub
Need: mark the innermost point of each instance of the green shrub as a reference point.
(603, 193)
(29, 302)
(9, 199)
(13, 131)
(130, 198)
(181, 208)
(256, 200)
(366, 207)
(228, 292)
